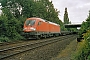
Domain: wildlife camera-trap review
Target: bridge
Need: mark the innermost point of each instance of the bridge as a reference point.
(72, 25)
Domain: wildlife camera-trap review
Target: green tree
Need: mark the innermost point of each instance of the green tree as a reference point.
(9, 26)
(32, 8)
(66, 18)
(85, 25)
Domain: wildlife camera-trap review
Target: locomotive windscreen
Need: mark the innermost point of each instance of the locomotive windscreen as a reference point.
(30, 22)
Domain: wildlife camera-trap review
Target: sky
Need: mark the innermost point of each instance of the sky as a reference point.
(78, 10)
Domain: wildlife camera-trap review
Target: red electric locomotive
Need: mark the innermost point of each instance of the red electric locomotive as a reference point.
(37, 28)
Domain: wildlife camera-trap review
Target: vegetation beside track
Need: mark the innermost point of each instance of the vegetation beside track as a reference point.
(83, 49)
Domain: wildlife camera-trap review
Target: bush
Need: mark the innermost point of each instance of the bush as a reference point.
(9, 29)
(88, 57)
(4, 39)
(83, 49)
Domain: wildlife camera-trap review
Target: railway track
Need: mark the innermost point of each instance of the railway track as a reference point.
(11, 51)
(9, 43)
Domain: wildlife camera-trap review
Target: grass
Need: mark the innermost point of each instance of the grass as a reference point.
(80, 51)
(67, 53)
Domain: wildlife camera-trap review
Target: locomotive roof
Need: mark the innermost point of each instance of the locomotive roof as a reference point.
(46, 21)
(53, 23)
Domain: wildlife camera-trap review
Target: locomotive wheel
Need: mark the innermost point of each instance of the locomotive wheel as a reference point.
(38, 37)
(45, 36)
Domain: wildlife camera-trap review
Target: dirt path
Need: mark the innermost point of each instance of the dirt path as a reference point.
(67, 53)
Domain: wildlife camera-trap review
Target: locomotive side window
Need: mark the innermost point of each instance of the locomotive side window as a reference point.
(39, 23)
(30, 22)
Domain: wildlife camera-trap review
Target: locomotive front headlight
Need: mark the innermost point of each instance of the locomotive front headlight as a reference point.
(24, 28)
(32, 29)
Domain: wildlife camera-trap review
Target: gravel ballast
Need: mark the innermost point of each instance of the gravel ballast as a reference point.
(48, 52)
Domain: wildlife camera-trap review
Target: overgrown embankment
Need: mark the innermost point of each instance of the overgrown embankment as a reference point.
(83, 48)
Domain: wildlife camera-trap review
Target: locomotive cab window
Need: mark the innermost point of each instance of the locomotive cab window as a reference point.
(30, 22)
